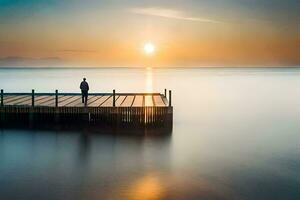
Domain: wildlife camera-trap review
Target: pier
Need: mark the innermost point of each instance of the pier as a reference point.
(136, 110)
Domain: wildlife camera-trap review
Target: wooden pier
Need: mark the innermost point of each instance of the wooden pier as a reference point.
(110, 109)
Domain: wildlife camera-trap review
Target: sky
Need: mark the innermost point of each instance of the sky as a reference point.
(186, 33)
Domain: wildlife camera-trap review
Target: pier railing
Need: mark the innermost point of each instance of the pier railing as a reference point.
(56, 94)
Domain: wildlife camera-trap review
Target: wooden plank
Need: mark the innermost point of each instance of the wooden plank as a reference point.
(128, 101)
(51, 100)
(74, 101)
(15, 98)
(78, 102)
(46, 101)
(95, 99)
(120, 100)
(28, 102)
(138, 101)
(64, 98)
(7, 97)
(69, 100)
(148, 100)
(99, 101)
(91, 99)
(18, 100)
(25, 102)
(158, 101)
(40, 98)
(109, 102)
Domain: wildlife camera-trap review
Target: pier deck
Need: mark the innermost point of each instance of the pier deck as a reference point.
(113, 109)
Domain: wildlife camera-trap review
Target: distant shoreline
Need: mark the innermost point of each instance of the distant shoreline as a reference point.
(204, 67)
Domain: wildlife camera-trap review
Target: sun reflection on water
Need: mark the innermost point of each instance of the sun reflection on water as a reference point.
(149, 79)
(147, 188)
(149, 86)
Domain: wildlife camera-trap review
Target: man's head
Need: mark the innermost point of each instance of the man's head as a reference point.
(84, 79)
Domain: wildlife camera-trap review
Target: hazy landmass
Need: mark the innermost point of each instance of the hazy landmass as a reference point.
(57, 62)
(15, 61)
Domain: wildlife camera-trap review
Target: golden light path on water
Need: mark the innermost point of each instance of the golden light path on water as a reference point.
(149, 86)
(148, 187)
(149, 80)
(156, 186)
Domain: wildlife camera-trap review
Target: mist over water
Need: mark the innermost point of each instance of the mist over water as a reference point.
(236, 135)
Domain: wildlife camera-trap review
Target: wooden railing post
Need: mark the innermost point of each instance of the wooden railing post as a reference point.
(2, 103)
(170, 98)
(114, 98)
(166, 93)
(56, 98)
(32, 98)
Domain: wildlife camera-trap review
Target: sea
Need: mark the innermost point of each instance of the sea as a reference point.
(236, 135)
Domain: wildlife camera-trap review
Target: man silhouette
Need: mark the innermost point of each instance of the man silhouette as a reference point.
(84, 86)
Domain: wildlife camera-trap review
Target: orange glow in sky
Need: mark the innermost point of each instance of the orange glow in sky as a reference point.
(193, 33)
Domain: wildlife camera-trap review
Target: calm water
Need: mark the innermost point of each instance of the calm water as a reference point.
(236, 136)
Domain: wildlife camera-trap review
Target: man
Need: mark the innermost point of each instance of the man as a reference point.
(84, 86)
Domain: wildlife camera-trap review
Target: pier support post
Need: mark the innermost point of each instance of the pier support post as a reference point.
(170, 98)
(2, 103)
(56, 117)
(2, 111)
(56, 98)
(2, 115)
(114, 98)
(166, 93)
(86, 116)
(32, 98)
(31, 112)
(169, 119)
(31, 116)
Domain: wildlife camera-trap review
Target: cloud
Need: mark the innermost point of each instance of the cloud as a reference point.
(171, 14)
(77, 51)
(27, 61)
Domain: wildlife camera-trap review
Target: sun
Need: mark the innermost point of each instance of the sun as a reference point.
(149, 48)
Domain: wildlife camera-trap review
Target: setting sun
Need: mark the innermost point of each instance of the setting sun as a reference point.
(149, 48)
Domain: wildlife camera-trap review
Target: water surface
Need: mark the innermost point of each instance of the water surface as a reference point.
(236, 135)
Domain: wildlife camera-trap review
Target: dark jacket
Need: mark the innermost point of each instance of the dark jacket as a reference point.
(84, 86)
